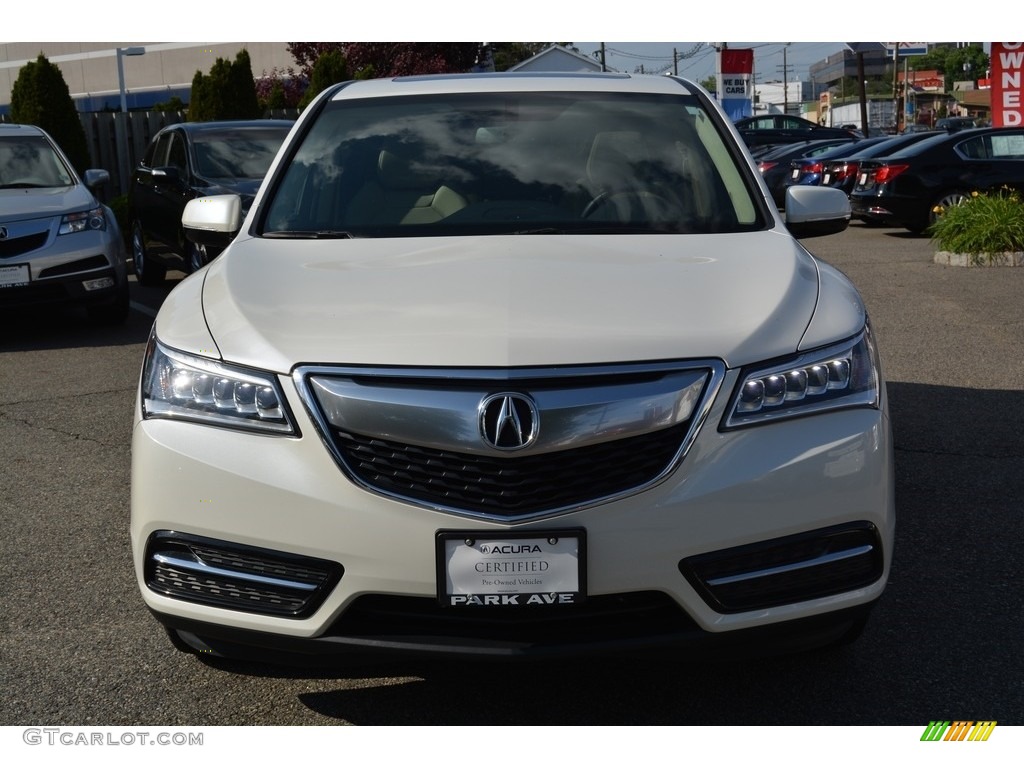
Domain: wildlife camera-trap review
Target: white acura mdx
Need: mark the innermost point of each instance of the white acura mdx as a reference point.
(506, 365)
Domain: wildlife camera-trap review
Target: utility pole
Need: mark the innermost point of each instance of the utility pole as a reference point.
(604, 65)
(895, 87)
(785, 81)
(861, 84)
(675, 61)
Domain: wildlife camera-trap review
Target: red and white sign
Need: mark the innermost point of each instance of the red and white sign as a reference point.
(1007, 60)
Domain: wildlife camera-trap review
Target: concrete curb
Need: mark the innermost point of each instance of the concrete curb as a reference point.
(1005, 259)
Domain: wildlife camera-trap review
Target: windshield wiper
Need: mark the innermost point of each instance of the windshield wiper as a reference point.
(24, 185)
(318, 234)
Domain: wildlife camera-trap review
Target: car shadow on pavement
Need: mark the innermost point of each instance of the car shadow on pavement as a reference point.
(66, 328)
(945, 633)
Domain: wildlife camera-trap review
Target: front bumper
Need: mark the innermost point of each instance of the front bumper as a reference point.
(734, 489)
(78, 269)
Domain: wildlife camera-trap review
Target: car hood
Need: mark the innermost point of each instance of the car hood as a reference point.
(18, 204)
(529, 300)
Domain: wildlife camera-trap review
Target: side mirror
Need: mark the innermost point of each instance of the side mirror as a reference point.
(165, 175)
(95, 177)
(212, 221)
(815, 211)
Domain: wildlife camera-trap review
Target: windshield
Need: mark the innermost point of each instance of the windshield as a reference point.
(30, 161)
(237, 154)
(511, 163)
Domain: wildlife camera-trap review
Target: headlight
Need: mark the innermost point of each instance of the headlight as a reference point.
(180, 386)
(840, 376)
(80, 222)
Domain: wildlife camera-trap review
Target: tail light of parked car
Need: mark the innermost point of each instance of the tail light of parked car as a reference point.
(842, 171)
(887, 173)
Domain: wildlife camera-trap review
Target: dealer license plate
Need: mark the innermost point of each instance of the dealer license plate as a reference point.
(13, 276)
(525, 569)
(826, 179)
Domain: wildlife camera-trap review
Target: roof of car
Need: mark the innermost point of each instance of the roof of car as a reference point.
(220, 125)
(510, 82)
(16, 128)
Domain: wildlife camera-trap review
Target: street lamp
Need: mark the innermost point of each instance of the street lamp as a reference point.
(136, 50)
(120, 122)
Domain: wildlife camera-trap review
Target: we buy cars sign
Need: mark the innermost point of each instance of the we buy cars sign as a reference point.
(1007, 61)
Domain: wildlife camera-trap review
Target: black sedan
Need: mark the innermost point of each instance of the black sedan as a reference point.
(766, 130)
(910, 188)
(775, 169)
(190, 160)
(841, 172)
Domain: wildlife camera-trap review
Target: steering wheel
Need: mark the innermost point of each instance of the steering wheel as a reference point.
(649, 202)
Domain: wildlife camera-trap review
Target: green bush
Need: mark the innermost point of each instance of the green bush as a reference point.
(983, 225)
(40, 97)
(227, 93)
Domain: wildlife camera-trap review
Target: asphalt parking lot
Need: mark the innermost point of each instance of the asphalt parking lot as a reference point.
(77, 646)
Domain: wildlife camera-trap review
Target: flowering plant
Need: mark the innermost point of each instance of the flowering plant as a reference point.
(983, 225)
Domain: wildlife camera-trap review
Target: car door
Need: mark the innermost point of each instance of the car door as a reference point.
(145, 196)
(171, 192)
(1001, 161)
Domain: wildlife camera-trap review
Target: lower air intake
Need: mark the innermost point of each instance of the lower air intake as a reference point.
(787, 570)
(237, 577)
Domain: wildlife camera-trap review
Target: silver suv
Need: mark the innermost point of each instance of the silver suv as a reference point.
(58, 244)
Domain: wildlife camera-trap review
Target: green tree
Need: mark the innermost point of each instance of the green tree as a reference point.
(950, 61)
(227, 93)
(329, 69)
(40, 97)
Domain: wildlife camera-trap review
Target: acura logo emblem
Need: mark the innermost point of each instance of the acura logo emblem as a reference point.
(508, 421)
(3, 233)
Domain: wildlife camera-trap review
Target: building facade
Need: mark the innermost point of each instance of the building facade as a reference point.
(164, 71)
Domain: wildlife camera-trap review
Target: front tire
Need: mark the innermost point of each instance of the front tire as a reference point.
(146, 272)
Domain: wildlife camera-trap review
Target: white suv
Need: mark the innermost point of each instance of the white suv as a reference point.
(505, 365)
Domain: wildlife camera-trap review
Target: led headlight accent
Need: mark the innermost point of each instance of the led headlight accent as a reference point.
(80, 222)
(180, 386)
(839, 376)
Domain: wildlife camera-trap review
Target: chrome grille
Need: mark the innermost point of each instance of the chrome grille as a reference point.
(511, 486)
(421, 435)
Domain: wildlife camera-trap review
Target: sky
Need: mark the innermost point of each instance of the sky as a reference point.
(568, 20)
(697, 60)
(644, 23)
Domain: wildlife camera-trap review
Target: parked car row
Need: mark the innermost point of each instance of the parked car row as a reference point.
(775, 164)
(905, 180)
(838, 167)
(914, 185)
